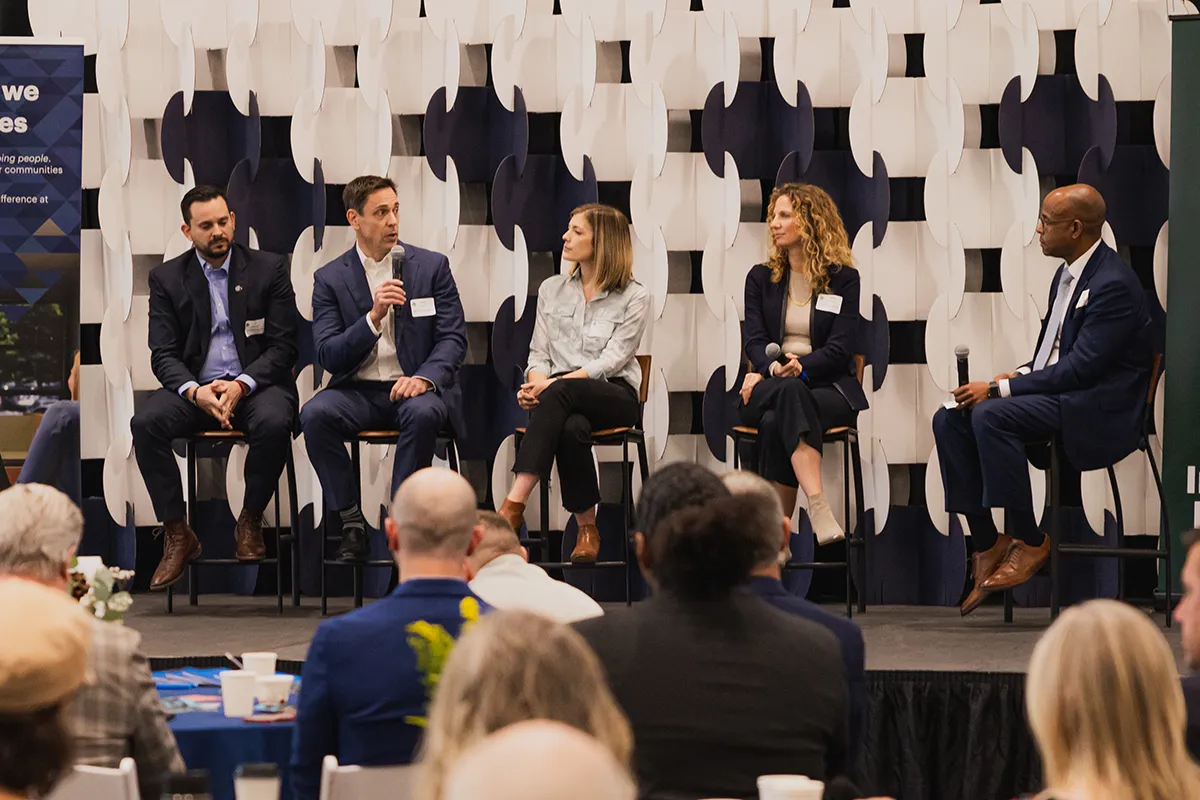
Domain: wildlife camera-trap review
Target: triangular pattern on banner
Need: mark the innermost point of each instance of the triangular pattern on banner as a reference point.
(13, 313)
(32, 295)
(48, 228)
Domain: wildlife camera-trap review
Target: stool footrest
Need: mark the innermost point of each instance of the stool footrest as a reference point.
(200, 562)
(573, 565)
(816, 565)
(332, 562)
(1109, 551)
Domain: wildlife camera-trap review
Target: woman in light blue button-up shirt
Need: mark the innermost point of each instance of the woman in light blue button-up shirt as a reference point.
(583, 373)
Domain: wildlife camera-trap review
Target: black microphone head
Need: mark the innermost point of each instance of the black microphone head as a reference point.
(962, 351)
(397, 251)
(773, 351)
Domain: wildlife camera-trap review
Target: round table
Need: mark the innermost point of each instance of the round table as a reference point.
(210, 741)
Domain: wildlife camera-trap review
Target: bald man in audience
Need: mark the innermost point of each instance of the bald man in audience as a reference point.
(573, 765)
(370, 674)
(767, 582)
(501, 575)
(1085, 387)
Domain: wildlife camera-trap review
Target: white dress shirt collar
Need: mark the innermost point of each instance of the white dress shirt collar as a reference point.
(367, 261)
(1077, 266)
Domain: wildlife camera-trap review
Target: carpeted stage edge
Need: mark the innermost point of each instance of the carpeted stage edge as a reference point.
(931, 736)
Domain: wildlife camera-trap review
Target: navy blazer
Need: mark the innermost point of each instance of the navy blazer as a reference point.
(432, 347)
(180, 323)
(369, 678)
(1103, 368)
(834, 336)
(850, 638)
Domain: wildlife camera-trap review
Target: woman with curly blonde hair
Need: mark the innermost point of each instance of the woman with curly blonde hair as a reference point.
(510, 667)
(1106, 708)
(804, 300)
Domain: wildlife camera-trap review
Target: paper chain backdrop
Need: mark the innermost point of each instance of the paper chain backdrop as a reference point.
(937, 125)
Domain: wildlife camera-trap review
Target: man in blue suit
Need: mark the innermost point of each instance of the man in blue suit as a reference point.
(1086, 386)
(370, 674)
(767, 582)
(389, 327)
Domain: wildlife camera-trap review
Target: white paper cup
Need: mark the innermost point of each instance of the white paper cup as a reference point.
(273, 690)
(789, 787)
(237, 692)
(259, 663)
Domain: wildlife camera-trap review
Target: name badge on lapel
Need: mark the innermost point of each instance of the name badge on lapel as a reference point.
(422, 307)
(829, 302)
(255, 327)
(1083, 298)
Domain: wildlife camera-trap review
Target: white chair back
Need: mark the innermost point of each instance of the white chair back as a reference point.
(365, 783)
(99, 783)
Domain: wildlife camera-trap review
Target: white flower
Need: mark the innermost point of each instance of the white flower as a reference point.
(120, 602)
(101, 610)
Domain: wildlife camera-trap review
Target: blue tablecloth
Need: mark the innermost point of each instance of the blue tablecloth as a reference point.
(211, 741)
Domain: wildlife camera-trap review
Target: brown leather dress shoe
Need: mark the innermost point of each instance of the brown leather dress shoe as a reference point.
(248, 535)
(1021, 564)
(983, 565)
(514, 513)
(587, 545)
(180, 546)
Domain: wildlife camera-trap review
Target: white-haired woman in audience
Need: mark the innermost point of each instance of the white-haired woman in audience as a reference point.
(514, 666)
(1106, 708)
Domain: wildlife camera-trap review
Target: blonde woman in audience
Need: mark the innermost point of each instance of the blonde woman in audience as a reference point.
(514, 666)
(1106, 708)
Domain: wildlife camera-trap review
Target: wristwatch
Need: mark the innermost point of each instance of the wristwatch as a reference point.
(993, 390)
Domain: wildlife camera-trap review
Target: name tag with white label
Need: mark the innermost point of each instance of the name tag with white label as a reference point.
(829, 302)
(255, 327)
(422, 307)
(1083, 298)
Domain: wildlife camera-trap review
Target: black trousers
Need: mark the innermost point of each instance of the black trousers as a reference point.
(267, 417)
(561, 425)
(787, 411)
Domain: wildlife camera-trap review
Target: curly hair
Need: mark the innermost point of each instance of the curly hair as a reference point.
(822, 235)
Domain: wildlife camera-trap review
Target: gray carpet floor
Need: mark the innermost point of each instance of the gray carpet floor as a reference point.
(897, 637)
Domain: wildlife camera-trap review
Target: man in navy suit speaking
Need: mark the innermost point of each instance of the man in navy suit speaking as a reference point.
(1086, 385)
(389, 328)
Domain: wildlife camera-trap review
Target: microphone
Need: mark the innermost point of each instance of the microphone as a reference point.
(775, 353)
(960, 354)
(397, 274)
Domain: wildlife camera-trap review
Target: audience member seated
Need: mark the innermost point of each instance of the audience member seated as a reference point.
(53, 457)
(719, 686)
(117, 714)
(514, 666)
(501, 575)
(1187, 614)
(370, 674)
(766, 582)
(43, 661)
(1106, 710)
(539, 760)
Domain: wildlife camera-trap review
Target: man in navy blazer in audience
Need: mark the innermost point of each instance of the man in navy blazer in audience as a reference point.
(1086, 386)
(370, 674)
(392, 345)
(766, 582)
(1187, 614)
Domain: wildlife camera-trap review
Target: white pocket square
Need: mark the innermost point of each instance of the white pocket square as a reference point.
(1083, 298)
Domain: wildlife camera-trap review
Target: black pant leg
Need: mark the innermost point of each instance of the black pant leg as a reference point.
(165, 416)
(268, 417)
(561, 425)
(791, 415)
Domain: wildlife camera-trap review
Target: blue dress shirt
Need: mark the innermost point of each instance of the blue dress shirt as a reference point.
(222, 359)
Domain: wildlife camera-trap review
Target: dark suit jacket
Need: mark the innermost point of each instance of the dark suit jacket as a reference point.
(834, 336)
(369, 677)
(1103, 367)
(850, 639)
(1191, 696)
(181, 318)
(720, 692)
(432, 347)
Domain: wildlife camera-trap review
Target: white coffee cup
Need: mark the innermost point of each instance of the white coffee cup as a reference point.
(237, 692)
(273, 690)
(259, 663)
(256, 782)
(789, 787)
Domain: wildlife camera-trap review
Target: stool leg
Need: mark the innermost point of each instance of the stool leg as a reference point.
(324, 564)
(737, 456)
(544, 507)
(170, 600)
(193, 573)
(1008, 606)
(1163, 525)
(860, 504)
(294, 542)
(1055, 529)
(627, 503)
(644, 467)
(278, 553)
(846, 512)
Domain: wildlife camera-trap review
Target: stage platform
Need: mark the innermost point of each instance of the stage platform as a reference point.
(897, 637)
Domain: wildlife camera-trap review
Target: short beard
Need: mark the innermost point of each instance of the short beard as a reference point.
(211, 257)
